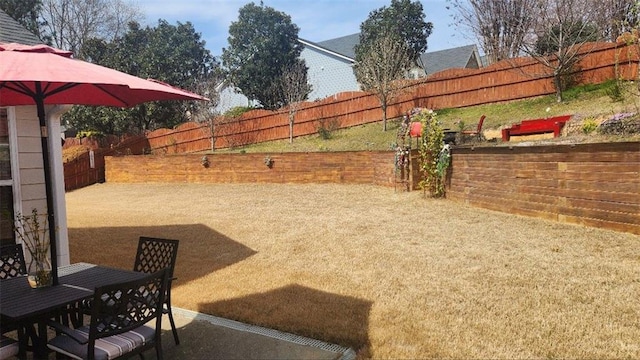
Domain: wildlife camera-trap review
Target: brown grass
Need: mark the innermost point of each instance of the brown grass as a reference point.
(391, 274)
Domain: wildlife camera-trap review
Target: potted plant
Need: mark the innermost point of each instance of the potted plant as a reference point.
(33, 231)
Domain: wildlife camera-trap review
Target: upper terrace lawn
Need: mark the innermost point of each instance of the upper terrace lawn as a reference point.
(582, 102)
(390, 274)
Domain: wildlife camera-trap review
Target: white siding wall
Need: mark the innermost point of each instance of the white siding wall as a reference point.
(328, 74)
(230, 99)
(31, 173)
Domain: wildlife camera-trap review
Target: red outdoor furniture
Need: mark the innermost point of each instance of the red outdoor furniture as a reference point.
(536, 126)
(477, 133)
(415, 129)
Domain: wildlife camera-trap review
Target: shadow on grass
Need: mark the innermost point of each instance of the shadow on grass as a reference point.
(333, 318)
(202, 250)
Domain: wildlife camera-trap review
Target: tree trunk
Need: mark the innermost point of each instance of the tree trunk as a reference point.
(558, 85)
(384, 117)
(212, 129)
(291, 128)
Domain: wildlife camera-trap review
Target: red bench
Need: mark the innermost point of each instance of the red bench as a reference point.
(536, 126)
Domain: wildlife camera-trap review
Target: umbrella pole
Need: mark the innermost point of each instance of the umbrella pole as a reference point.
(44, 138)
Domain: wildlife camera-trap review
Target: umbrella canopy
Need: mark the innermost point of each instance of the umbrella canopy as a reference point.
(41, 75)
(64, 80)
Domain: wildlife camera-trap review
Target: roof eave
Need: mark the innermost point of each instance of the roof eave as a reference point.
(325, 50)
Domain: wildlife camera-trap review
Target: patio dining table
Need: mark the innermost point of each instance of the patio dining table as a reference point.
(20, 303)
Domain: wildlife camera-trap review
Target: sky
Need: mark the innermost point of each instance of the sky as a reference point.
(318, 20)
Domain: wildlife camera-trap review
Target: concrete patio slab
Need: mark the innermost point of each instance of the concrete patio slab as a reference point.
(204, 336)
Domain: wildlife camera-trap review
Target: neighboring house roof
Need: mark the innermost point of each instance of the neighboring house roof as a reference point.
(330, 65)
(339, 53)
(12, 32)
(460, 57)
(344, 45)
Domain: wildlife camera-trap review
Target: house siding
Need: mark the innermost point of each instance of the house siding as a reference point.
(32, 187)
(32, 190)
(328, 74)
(30, 178)
(330, 68)
(229, 99)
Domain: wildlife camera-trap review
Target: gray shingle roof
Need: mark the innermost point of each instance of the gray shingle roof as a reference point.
(344, 45)
(435, 61)
(458, 57)
(13, 31)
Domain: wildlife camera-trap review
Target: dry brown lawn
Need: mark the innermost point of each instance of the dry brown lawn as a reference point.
(391, 274)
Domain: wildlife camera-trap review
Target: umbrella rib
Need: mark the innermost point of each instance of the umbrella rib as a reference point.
(25, 90)
(124, 102)
(18, 87)
(62, 88)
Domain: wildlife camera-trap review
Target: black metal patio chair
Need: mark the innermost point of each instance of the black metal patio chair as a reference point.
(154, 254)
(12, 261)
(121, 321)
(12, 264)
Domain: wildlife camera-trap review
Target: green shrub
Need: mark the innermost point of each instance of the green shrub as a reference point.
(89, 134)
(589, 126)
(237, 111)
(326, 127)
(614, 91)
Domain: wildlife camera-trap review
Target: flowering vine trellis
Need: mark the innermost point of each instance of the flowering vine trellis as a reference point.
(434, 155)
(402, 153)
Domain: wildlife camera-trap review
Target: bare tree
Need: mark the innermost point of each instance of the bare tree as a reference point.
(70, 23)
(205, 111)
(384, 63)
(295, 88)
(501, 27)
(564, 35)
(613, 17)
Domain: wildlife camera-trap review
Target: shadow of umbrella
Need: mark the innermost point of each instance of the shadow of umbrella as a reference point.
(202, 250)
(41, 75)
(334, 318)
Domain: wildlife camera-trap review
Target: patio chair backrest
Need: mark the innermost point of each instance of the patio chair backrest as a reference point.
(118, 308)
(155, 254)
(12, 261)
(479, 129)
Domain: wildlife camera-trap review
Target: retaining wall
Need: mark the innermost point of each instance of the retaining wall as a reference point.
(590, 184)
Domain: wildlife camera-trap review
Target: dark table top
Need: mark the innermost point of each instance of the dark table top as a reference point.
(77, 281)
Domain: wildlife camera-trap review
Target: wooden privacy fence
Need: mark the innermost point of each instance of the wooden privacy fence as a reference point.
(84, 170)
(89, 168)
(504, 81)
(592, 184)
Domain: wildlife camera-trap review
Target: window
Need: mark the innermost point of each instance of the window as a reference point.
(6, 184)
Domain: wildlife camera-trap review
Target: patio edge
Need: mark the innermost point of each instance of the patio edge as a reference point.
(346, 353)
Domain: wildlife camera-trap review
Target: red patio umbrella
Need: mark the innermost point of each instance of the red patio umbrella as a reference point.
(41, 75)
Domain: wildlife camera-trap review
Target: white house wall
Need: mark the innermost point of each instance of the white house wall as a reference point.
(230, 99)
(32, 191)
(328, 75)
(31, 176)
